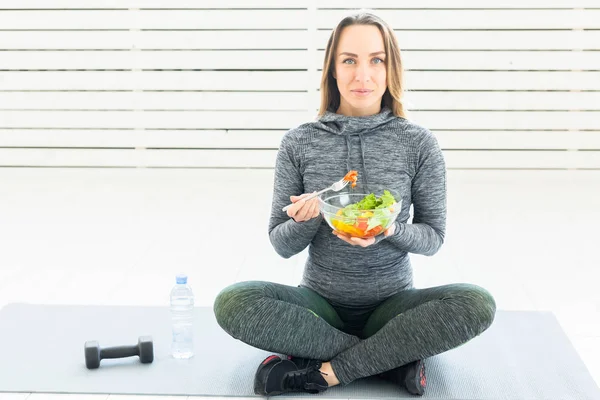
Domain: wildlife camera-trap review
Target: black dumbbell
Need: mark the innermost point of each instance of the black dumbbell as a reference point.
(144, 349)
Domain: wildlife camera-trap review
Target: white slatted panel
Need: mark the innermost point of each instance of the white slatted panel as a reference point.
(193, 100)
(477, 19)
(154, 119)
(255, 139)
(487, 40)
(294, 19)
(476, 4)
(154, 19)
(155, 80)
(216, 83)
(293, 39)
(154, 101)
(502, 81)
(435, 100)
(455, 120)
(291, 80)
(502, 60)
(215, 158)
(154, 40)
(238, 139)
(126, 4)
(290, 60)
(148, 60)
(424, 4)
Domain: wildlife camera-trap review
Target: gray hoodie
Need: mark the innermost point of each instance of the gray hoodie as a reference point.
(388, 152)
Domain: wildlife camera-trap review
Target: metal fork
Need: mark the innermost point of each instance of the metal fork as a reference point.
(336, 187)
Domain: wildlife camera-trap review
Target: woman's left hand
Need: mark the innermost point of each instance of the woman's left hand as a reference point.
(354, 241)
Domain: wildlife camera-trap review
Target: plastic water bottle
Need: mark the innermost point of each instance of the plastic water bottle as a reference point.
(182, 316)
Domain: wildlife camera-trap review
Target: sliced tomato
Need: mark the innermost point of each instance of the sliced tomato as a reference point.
(374, 231)
(362, 223)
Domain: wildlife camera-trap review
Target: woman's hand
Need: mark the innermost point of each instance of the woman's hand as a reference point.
(354, 241)
(303, 210)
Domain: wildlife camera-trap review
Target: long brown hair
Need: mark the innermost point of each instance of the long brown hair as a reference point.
(392, 98)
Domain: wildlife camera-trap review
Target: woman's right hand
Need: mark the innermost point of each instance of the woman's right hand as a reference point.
(302, 210)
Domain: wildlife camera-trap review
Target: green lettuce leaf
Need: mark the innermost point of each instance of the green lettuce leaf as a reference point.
(379, 207)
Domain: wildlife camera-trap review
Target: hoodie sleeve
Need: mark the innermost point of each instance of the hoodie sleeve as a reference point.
(287, 236)
(425, 235)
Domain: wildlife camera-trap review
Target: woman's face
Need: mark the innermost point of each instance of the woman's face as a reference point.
(360, 70)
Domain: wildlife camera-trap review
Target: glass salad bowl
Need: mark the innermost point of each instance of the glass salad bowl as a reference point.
(361, 215)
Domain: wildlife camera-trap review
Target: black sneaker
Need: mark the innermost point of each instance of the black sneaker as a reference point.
(410, 376)
(276, 376)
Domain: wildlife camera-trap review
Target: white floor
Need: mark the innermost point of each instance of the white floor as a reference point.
(118, 236)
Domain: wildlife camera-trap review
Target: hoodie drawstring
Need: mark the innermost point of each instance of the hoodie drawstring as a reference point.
(362, 149)
(349, 146)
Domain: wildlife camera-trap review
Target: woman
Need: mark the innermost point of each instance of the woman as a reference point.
(356, 312)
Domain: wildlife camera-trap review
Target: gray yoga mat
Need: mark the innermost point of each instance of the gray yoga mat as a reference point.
(523, 355)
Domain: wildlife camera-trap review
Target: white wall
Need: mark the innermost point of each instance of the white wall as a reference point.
(216, 83)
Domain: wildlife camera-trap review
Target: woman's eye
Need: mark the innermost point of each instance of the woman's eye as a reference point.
(377, 60)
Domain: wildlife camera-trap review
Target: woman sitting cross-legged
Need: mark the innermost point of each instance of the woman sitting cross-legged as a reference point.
(356, 312)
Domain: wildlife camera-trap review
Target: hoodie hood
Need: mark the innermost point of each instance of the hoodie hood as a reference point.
(339, 124)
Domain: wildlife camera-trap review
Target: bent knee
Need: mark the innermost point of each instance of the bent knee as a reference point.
(481, 306)
(233, 302)
(484, 307)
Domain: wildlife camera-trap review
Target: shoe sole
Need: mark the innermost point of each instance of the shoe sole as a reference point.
(416, 385)
(267, 363)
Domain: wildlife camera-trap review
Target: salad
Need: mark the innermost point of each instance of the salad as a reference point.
(367, 217)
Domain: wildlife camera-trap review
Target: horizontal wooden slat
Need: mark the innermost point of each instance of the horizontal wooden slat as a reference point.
(202, 59)
(153, 119)
(533, 140)
(487, 40)
(458, 159)
(154, 39)
(137, 158)
(295, 19)
(154, 100)
(436, 100)
(457, 4)
(494, 60)
(507, 120)
(499, 80)
(292, 59)
(496, 100)
(78, 4)
(456, 120)
(266, 158)
(408, 40)
(155, 19)
(25, 4)
(430, 100)
(154, 80)
(271, 139)
(288, 80)
(100, 40)
(240, 139)
(473, 19)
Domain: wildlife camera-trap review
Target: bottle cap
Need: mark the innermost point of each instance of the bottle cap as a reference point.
(181, 279)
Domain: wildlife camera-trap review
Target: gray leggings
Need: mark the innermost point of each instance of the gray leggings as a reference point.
(410, 325)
